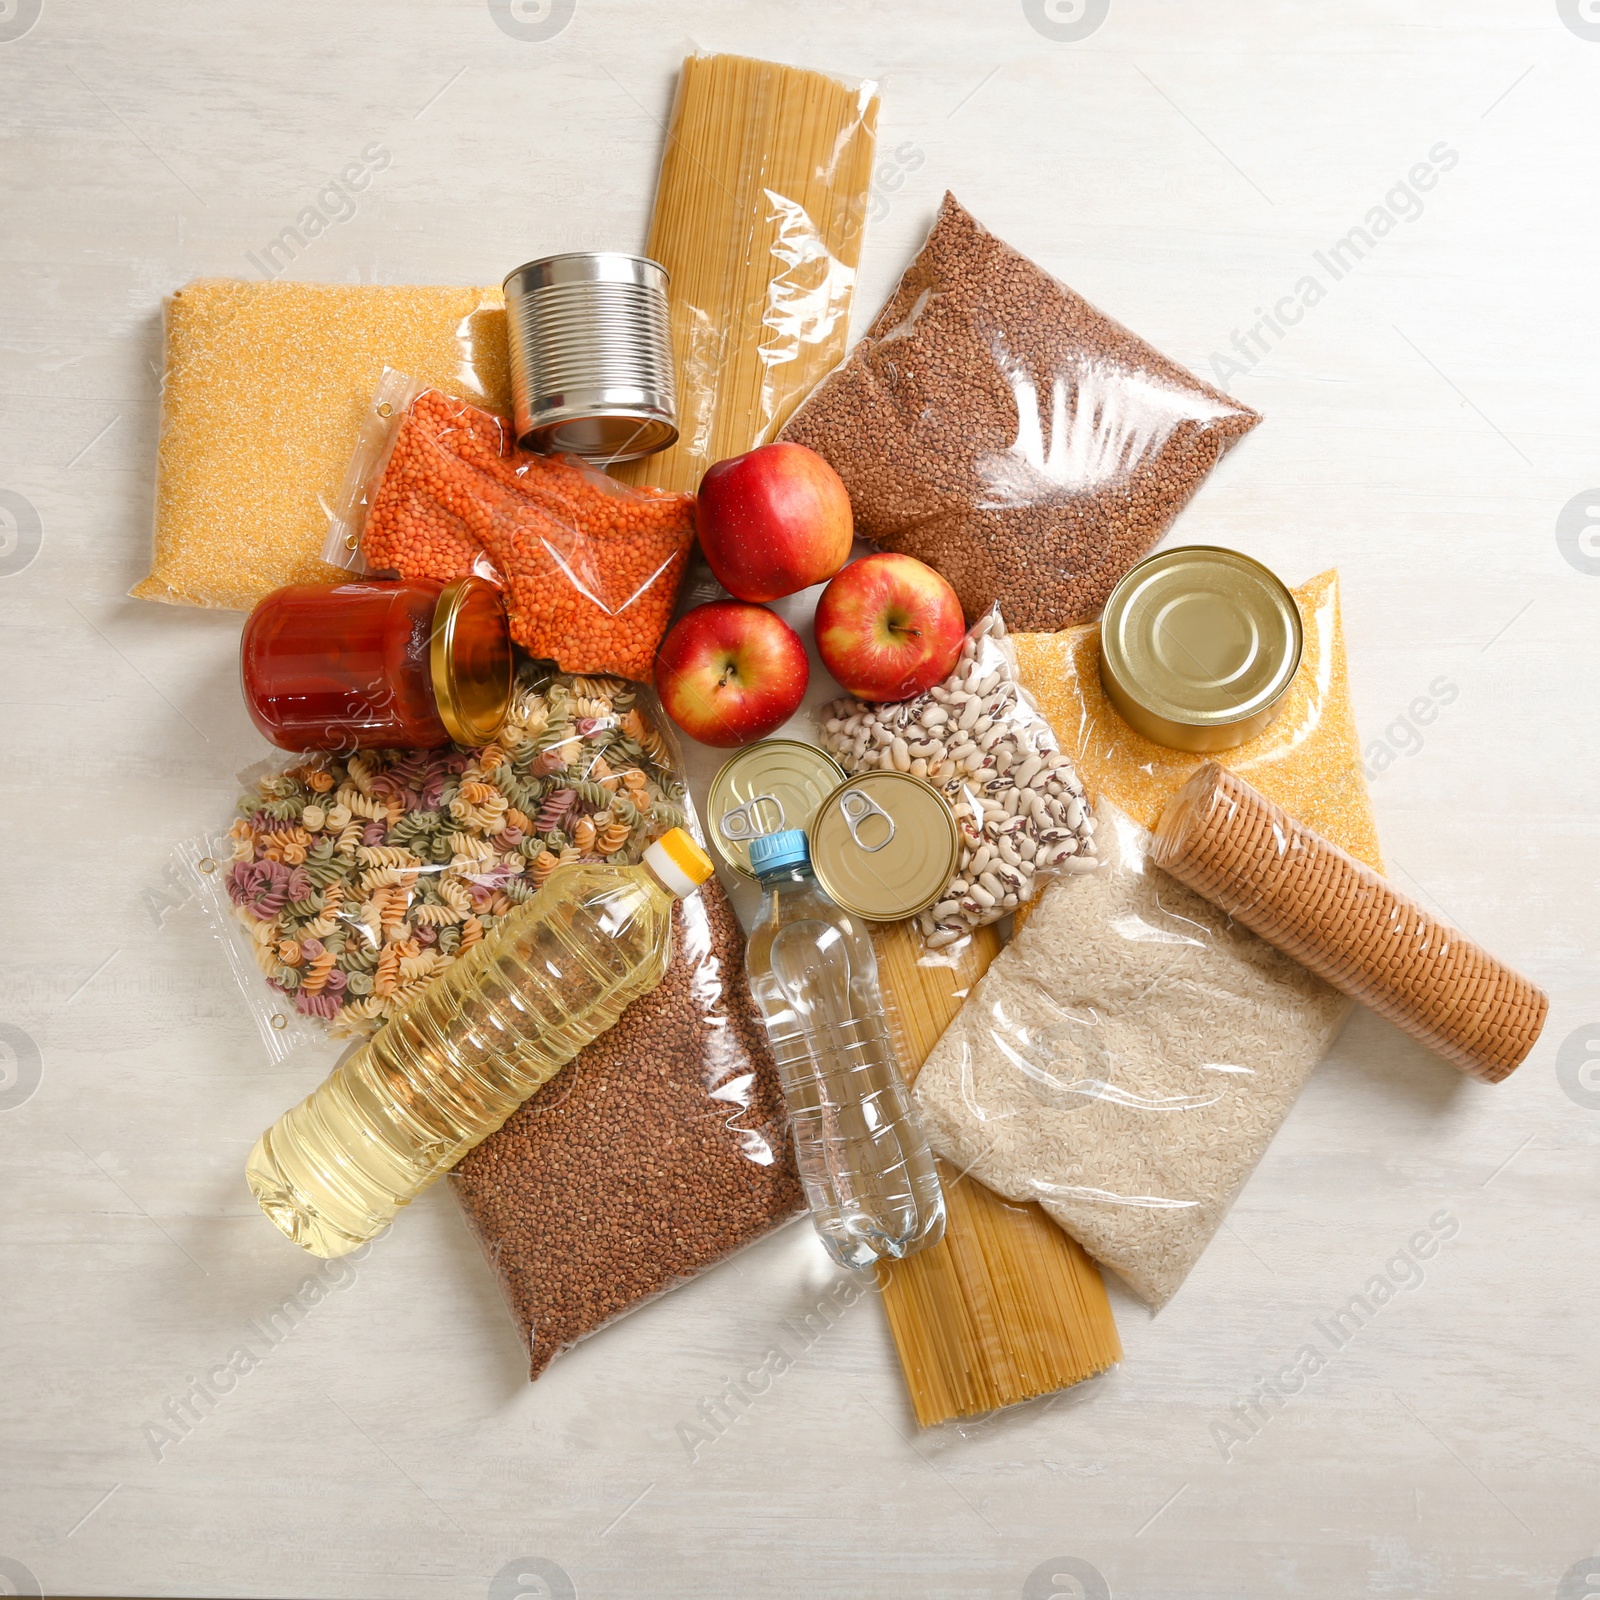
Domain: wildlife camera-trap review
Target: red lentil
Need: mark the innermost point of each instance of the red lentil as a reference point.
(591, 566)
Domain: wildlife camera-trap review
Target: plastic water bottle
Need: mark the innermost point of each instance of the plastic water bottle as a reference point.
(868, 1174)
(449, 1069)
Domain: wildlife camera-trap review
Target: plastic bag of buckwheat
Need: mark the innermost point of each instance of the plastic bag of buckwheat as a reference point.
(997, 426)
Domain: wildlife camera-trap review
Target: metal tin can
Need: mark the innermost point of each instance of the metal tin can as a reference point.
(591, 355)
(1198, 647)
(767, 787)
(884, 845)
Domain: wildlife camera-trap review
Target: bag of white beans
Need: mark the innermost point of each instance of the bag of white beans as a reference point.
(980, 738)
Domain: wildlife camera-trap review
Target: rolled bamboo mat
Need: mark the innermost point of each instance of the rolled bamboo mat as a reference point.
(1006, 1306)
(1344, 922)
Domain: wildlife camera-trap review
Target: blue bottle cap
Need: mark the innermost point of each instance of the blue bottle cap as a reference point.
(773, 852)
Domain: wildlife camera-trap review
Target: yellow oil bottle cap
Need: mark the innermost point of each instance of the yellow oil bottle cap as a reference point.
(680, 864)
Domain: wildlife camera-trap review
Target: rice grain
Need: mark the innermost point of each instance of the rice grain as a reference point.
(1126, 1061)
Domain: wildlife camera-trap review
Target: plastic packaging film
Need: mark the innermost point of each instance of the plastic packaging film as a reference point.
(997, 426)
(658, 1151)
(1126, 1061)
(1005, 1307)
(1308, 760)
(437, 489)
(263, 394)
(759, 214)
(1337, 917)
(347, 884)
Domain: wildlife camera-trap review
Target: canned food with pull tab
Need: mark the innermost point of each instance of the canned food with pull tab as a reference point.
(884, 845)
(765, 788)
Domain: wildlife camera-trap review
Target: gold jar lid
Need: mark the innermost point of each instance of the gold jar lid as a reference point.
(884, 845)
(1198, 647)
(767, 787)
(469, 660)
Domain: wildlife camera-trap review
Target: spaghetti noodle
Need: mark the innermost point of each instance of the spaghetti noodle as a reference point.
(759, 214)
(1006, 1306)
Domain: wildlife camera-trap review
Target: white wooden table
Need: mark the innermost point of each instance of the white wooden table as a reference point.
(1431, 430)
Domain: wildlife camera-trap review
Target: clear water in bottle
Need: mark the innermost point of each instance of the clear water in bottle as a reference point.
(868, 1174)
(449, 1069)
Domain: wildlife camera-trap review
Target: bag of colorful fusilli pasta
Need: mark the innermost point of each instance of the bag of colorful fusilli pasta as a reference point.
(347, 884)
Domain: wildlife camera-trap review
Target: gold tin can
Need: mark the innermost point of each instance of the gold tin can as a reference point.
(769, 786)
(1198, 647)
(884, 845)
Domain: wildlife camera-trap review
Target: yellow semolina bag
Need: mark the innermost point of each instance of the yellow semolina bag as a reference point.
(262, 400)
(1308, 760)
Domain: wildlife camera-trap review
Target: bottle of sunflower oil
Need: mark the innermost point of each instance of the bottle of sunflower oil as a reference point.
(448, 1070)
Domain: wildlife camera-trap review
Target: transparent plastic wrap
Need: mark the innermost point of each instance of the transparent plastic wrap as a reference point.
(349, 884)
(759, 213)
(262, 398)
(1308, 760)
(1125, 1062)
(437, 489)
(660, 1150)
(1006, 1306)
(993, 424)
(978, 737)
(453, 1063)
(1306, 896)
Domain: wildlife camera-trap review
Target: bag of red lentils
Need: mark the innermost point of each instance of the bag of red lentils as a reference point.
(657, 1152)
(439, 489)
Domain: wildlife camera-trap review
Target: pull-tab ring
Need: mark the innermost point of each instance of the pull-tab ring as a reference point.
(744, 822)
(858, 809)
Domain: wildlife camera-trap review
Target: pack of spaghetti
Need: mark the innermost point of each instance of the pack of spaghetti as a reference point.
(1006, 1306)
(759, 213)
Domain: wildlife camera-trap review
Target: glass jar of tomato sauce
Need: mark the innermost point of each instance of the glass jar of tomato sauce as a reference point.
(364, 665)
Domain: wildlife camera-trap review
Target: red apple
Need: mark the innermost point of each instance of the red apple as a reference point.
(729, 672)
(774, 521)
(889, 627)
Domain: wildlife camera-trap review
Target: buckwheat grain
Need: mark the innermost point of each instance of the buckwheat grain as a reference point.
(658, 1151)
(995, 425)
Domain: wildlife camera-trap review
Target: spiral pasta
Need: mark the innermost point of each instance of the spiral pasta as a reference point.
(385, 856)
(648, 737)
(361, 879)
(610, 839)
(387, 973)
(432, 916)
(315, 978)
(455, 894)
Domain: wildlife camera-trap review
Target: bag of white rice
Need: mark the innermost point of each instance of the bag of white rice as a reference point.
(1126, 1061)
